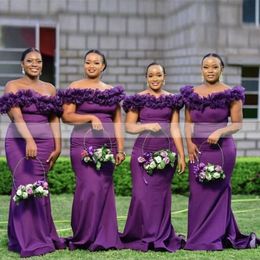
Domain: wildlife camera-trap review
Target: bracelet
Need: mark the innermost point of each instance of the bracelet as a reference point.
(122, 152)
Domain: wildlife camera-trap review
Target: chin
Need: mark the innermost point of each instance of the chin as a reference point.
(212, 81)
(92, 76)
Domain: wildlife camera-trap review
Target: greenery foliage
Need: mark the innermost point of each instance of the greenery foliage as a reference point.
(245, 179)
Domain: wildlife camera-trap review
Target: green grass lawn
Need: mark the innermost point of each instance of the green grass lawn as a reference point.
(246, 209)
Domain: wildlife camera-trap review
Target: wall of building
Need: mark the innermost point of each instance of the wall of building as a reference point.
(134, 33)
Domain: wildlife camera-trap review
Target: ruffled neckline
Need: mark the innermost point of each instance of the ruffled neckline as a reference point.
(103, 97)
(138, 101)
(25, 98)
(214, 100)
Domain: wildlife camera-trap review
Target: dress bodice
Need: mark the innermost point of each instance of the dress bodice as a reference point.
(94, 101)
(211, 112)
(34, 106)
(102, 104)
(154, 110)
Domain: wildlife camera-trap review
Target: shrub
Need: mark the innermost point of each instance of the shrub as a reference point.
(245, 180)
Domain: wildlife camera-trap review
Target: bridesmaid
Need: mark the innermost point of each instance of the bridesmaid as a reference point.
(93, 108)
(154, 115)
(32, 146)
(211, 223)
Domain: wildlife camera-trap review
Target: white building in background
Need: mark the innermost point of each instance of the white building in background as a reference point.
(177, 33)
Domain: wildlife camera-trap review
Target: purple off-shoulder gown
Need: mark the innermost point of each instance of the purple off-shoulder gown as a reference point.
(31, 230)
(211, 223)
(148, 224)
(94, 221)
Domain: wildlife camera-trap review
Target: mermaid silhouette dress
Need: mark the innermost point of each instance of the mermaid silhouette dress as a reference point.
(211, 223)
(148, 224)
(31, 230)
(94, 220)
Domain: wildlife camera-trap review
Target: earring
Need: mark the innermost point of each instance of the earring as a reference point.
(164, 83)
(202, 78)
(23, 72)
(147, 84)
(221, 78)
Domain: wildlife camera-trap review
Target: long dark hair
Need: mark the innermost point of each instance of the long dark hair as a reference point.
(100, 54)
(215, 55)
(28, 51)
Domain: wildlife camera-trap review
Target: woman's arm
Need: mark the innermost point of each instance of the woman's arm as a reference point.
(193, 150)
(16, 117)
(236, 114)
(133, 127)
(70, 116)
(117, 120)
(55, 128)
(176, 134)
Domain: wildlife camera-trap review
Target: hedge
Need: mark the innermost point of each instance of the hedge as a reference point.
(245, 180)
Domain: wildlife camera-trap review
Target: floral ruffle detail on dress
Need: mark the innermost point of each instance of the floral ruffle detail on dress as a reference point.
(27, 97)
(137, 101)
(215, 100)
(78, 96)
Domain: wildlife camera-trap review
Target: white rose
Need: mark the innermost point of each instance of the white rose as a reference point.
(25, 195)
(39, 189)
(158, 159)
(45, 193)
(152, 165)
(19, 193)
(208, 177)
(210, 168)
(28, 186)
(108, 157)
(216, 175)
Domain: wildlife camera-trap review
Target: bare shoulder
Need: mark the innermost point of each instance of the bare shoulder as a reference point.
(143, 92)
(12, 86)
(49, 87)
(166, 93)
(225, 86)
(199, 87)
(106, 86)
(76, 84)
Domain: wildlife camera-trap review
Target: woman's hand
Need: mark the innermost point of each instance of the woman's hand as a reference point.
(193, 152)
(52, 158)
(181, 165)
(30, 149)
(120, 157)
(96, 123)
(153, 127)
(214, 137)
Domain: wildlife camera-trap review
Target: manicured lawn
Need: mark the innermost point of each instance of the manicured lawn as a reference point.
(246, 209)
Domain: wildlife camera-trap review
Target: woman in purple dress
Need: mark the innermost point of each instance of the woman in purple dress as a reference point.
(154, 115)
(32, 146)
(211, 223)
(93, 108)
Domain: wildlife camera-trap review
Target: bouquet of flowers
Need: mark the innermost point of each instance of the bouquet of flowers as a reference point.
(208, 172)
(38, 189)
(97, 156)
(157, 160)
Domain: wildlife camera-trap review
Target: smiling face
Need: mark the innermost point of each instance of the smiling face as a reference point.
(32, 64)
(94, 65)
(211, 69)
(155, 77)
